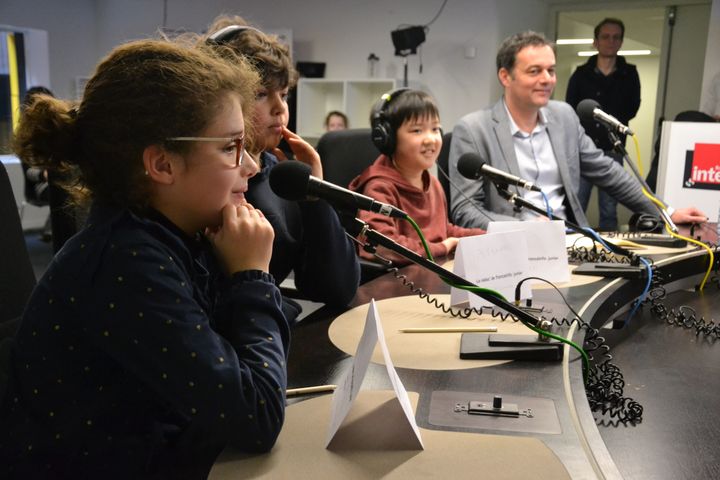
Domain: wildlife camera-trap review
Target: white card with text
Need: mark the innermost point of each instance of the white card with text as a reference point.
(496, 261)
(348, 389)
(547, 254)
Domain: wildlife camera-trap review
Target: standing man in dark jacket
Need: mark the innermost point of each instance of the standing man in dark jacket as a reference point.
(608, 79)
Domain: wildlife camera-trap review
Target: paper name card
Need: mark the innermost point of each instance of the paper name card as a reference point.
(547, 253)
(398, 426)
(496, 261)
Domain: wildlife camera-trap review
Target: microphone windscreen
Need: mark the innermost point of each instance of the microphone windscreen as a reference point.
(585, 109)
(469, 165)
(289, 180)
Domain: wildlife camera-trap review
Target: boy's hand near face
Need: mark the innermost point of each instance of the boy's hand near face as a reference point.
(303, 151)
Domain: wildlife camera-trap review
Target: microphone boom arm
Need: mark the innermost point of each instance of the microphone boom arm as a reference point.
(521, 202)
(620, 148)
(358, 228)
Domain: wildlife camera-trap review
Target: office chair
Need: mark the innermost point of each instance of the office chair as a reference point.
(344, 154)
(686, 116)
(442, 164)
(36, 193)
(17, 278)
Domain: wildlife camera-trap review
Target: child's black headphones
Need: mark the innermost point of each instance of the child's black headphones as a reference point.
(225, 34)
(383, 135)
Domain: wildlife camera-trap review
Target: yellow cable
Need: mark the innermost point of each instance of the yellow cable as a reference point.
(654, 200)
(667, 226)
(14, 82)
(700, 244)
(637, 152)
(691, 240)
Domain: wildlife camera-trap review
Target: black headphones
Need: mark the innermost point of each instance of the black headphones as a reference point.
(383, 135)
(645, 223)
(225, 34)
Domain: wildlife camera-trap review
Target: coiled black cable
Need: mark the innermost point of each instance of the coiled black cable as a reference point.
(454, 312)
(580, 254)
(605, 382)
(605, 395)
(682, 316)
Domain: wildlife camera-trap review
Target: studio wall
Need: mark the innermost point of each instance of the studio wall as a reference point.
(341, 33)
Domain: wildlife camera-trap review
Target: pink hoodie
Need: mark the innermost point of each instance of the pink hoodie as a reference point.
(428, 207)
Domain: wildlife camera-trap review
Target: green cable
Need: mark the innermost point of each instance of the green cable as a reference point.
(470, 288)
(586, 359)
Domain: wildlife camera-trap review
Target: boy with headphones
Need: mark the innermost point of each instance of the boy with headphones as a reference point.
(406, 129)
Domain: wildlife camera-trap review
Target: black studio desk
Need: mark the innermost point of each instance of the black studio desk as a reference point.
(667, 369)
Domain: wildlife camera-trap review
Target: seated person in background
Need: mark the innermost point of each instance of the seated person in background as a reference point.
(406, 129)
(538, 139)
(309, 239)
(36, 183)
(335, 120)
(36, 179)
(156, 337)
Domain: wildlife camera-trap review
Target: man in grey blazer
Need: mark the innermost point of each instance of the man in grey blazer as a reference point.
(540, 140)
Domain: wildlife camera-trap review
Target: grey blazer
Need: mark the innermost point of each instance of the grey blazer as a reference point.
(487, 132)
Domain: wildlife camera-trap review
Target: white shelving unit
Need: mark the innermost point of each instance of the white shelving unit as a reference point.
(355, 98)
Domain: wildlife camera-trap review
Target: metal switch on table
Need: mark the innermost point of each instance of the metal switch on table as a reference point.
(496, 409)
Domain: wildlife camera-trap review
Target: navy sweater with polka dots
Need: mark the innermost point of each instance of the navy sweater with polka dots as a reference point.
(137, 358)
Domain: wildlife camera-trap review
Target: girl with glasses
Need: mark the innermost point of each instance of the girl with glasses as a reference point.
(156, 337)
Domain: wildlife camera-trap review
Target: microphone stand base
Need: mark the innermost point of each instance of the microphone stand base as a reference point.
(658, 240)
(611, 270)
(482, 346)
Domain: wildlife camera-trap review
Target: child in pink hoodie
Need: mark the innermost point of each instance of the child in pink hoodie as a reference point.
(406, 129)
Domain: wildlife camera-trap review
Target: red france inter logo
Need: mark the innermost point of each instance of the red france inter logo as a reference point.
(702, 167)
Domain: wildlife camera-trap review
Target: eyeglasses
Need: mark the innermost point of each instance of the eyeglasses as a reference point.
(238, 141)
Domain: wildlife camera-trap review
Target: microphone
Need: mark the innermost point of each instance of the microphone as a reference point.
(589, 110)
(472, 166)
(291, 180)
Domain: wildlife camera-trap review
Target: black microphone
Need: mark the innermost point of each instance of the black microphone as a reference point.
(589, 110)
(291, 180)
(472, 166)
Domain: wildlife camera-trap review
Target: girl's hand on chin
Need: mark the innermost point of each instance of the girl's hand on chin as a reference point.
(244, 240)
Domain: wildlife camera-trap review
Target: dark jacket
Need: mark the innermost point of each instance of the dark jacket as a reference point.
(309, 240)
(618, 94)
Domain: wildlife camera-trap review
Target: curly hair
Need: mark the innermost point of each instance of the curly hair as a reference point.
(142, 93)
(266, 52)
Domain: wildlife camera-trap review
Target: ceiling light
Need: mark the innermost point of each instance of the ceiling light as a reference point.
(574, 41)
(626, 53)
